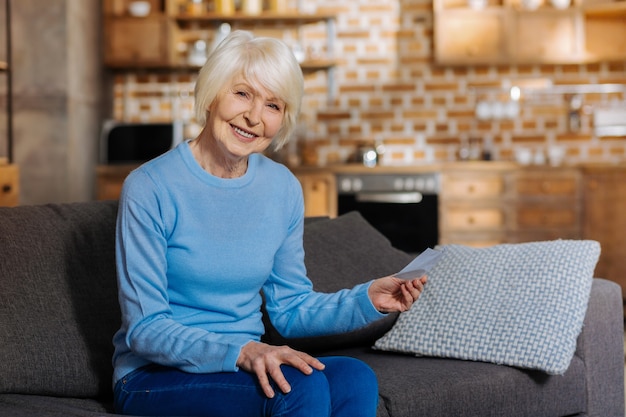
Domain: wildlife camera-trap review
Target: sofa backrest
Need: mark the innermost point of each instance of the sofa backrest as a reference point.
(58, 299)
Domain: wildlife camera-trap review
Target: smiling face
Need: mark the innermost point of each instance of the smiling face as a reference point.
(243, 119)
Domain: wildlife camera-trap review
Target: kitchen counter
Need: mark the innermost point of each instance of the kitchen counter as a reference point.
(355, 168)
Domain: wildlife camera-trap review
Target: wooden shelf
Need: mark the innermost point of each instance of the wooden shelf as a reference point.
(613, 9)
(263, 17)
(308, 65)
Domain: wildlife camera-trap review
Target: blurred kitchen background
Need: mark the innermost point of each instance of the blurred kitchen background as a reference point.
(421, 81)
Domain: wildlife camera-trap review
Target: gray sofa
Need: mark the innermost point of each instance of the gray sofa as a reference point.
(58, 312)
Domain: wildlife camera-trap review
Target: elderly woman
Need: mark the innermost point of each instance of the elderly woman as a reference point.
(203, 230)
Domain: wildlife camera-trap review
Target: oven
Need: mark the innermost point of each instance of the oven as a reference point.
(403, 207)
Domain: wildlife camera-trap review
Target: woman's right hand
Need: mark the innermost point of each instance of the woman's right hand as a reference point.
(265, 360)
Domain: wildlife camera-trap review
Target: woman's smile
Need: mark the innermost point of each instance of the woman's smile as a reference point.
(244, 133)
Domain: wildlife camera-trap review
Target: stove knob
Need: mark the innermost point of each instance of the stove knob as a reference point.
(398, 184)
(357, 184)
(430, 184)
(345, 185)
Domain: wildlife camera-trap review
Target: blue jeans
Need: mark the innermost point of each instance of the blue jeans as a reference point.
(347, 387)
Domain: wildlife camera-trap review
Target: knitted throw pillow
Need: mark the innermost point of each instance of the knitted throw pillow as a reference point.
(514, 304)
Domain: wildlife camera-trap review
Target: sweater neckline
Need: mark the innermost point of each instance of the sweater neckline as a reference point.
(208, 178)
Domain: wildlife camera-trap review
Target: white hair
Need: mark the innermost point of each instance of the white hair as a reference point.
(264, 61)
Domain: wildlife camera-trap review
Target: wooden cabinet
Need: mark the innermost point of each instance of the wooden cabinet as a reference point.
(605, 23)
(504, 31)
(547, 204)
(9, 185)
(320, 193)
(165, 37)
(605, 219)
(484, 36)
(473, 204)
(548, 36)
(136, 42)
(507, 204)
(109, 180)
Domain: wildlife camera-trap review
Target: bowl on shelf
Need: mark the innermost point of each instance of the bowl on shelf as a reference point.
(477, 4)
(560, 4)
(531, 4)
(139, 8)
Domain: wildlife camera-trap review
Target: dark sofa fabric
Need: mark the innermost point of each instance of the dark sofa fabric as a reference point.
(58, 299)
(58, 313)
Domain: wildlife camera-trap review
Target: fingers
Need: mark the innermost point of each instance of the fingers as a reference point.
(411, 291)
(265, 362)
(264, 381)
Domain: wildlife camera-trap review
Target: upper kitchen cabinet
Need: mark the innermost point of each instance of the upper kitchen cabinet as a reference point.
(470, 35)
(135, 37)
(549, 35)
(133, 42)
(605, 24)
(528, 31)
(177, 34)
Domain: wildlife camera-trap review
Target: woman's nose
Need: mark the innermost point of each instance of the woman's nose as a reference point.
(253, 115)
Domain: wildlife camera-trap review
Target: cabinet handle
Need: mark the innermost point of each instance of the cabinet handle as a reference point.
(471, 220)
(471, 189)
(6, 188)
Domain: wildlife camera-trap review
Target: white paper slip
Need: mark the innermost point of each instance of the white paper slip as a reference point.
(420, 266)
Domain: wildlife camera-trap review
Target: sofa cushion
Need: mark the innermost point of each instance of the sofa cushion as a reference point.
(514, 304)
(426, 386)
(341, 253)
(58, 299)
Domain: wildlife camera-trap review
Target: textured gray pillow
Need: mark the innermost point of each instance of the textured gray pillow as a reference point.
(340, 253)
(514, 304)
(58, 299)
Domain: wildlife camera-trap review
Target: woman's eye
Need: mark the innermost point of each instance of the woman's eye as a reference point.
(274, 106)
(241, 93)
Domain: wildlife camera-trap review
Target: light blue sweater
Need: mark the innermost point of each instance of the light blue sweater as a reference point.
(193, 253)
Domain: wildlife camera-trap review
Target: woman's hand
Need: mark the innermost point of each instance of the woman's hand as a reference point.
(391, 294)
(265, 360)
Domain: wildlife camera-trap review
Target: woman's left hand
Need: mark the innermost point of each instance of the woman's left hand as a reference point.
(391, 294)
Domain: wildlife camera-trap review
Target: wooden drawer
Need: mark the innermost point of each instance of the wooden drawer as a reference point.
(9, 185)
(548, 182)
(473, 219)
(548, 187)
(456, 186)
(547, 217)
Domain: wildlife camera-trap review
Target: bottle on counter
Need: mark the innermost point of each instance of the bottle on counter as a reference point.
(195, 7)
(278, 6)
(252, 7)
(487, 154)
(224, 7)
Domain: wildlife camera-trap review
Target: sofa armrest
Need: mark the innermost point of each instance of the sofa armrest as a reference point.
(601, 347)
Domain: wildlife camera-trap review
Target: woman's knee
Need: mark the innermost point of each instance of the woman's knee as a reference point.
(340, 368)
(308, 392)
(353, 386)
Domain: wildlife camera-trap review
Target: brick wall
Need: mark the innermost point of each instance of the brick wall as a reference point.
(387, 91)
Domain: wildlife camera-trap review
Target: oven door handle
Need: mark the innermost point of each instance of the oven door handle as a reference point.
(391, 197)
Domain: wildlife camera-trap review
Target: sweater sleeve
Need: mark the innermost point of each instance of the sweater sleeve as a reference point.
(150, 331)
(296, 310)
